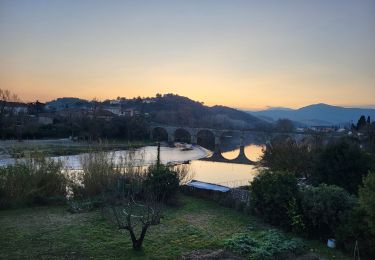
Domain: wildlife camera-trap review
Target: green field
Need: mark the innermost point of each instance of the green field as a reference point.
(54, 233)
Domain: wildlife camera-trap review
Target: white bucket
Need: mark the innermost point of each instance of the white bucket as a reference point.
(331, 243)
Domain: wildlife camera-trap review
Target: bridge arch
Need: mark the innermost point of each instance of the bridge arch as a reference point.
(206, 138)
(230, 140)
(182, 135)
(159, 133)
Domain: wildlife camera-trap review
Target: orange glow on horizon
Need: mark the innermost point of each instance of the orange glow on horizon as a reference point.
(248, 55)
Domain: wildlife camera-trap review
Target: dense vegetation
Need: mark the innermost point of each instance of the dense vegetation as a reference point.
(265, 245)
(271, 196)
(334, 199)
(32, 181)
(342, 163)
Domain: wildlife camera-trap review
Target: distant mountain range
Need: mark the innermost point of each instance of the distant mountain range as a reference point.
(317, 114)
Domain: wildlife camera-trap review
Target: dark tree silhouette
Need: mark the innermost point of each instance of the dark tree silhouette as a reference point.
(361, 122)
(342, 163)
(133, 216)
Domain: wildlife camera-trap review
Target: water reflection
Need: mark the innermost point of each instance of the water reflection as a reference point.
(229, 174)
(252, 152)
(226, 174)
(230, 155)
(214, 172)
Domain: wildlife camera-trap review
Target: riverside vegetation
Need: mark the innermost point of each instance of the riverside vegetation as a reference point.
(328, 194)
(107, 197)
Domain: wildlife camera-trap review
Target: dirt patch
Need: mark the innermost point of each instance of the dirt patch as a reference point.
(209, 254)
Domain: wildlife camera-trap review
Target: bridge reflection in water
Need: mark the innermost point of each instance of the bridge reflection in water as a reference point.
(216, 135)
(217, 156)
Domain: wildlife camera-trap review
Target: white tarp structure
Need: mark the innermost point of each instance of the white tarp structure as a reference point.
(207, 186)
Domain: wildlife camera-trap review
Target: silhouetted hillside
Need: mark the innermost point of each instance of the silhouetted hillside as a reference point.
(178, 110)
(318, 114)
(67, 102)
(172, 110)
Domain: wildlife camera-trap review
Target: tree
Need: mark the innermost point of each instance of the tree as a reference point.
(342, 163)
(133, 216)
(7, 100)
(367, 199)
(135, 202)
(287, 154)
(272, 194)
(368, 120)
(36, 107)
(162, 181)
(361, 122)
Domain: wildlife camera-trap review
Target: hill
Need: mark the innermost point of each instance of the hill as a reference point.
(178, 110)
(67, 102)
(171, 109)
(317, 114)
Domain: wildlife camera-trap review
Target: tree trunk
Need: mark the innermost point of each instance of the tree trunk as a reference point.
(137, 243)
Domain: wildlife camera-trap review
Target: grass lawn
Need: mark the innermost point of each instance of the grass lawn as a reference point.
(54, 233)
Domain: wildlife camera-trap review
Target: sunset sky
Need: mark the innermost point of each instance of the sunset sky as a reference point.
(244, 54)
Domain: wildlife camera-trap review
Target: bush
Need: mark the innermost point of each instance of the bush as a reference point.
(286, 154)
(323, 209)
(98, 175)
(359, 225)
(270, 244)
(271, 194)
(367, 199)
(354, 228)
(32, 181)
(162, 181)
(342, 163)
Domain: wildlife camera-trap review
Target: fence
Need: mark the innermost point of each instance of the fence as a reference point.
(235, 183)
(238, 198)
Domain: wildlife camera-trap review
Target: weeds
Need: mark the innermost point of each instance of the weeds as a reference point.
(33, 180)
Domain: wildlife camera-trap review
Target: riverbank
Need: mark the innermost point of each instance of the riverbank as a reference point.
(63, 147)
(52, 232)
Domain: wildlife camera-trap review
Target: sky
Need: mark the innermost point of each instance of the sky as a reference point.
(243, 54)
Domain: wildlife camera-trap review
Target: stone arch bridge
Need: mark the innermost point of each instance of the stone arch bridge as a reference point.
(216, 134)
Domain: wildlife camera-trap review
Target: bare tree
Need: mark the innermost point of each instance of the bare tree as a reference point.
(135, 217)
(7, 100)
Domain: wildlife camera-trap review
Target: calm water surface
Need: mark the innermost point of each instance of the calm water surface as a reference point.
(214, 172)
(228, 174)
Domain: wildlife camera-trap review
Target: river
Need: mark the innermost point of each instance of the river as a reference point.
(226, 174)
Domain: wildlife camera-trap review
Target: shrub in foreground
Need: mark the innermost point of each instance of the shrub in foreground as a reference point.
(32, 181)
(354, 228)
(359, 225)
(97, 176)
(162, 181)
(272, 194)
(367, 199)
(270, 244)
(323, 209)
